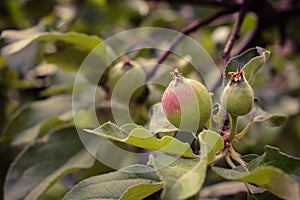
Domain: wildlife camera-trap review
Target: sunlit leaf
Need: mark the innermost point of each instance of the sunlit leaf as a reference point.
(211, 143)
(141, 191)
(143, 138)
(272, 179)
(159, 122)
(183, 177)
(56, 191)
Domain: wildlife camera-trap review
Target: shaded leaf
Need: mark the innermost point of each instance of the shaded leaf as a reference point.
(249, 157)
(270, 171)
(251, 61)
(114, 184)
(254, 65)
(263, 196)
(50, 125)
(276, 120)
(69, 59)
(159, 123)
(274, 157)
(2, 62)
(24, 125)
(143, 138)
(82, 41)
(273, 120)
(223, 189)
(39, 165)
(61, 83)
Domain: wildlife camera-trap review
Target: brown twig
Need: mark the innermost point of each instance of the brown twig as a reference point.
(201, 2)
(187, 30)
(233, 36)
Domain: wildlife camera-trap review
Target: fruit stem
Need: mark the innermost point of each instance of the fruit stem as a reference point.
(237, 157)
(233, 127)
(244, 131)
(229, 161)
(217, 158)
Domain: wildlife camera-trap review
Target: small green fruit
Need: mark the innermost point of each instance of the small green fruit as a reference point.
(127, 75)
(186, 103)
(238, 96)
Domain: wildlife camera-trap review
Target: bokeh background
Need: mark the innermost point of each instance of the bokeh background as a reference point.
(36, 81)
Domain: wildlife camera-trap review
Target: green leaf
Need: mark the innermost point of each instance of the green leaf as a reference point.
(39, 165)
(273, 120)
(68, 59)
(217, 190)
(159, 123)
(141, 191)
(272, 179)
(114, 184)
(61, 83)
(183, 177)
(82, 41)
(85, 118)
(276, 120)
(263, 196)
(51, 125)
(24, 125)
(211, 143)
(2, 62)
(143, 138)
(127, 128)
(56, 191)
(274, 171)
(251, 61)
(274, 157)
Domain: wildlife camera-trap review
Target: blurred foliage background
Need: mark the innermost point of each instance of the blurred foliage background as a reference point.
(36, 81)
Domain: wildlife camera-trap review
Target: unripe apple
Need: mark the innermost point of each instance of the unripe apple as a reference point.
(186, 103)
(238, 96)
(130, 75)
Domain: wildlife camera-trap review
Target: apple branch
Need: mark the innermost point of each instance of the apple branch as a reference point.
(234, 35)
(187, 30)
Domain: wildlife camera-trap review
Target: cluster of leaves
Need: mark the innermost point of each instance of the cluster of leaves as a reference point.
(183, 177)
(38, 67)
